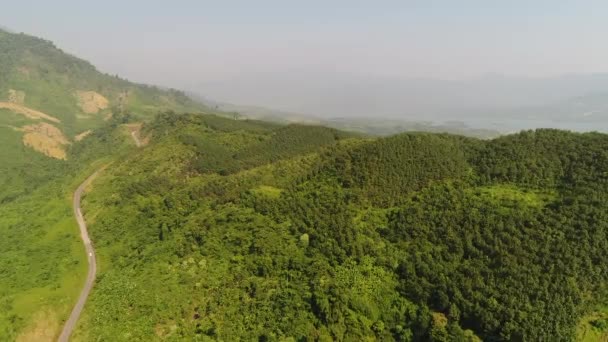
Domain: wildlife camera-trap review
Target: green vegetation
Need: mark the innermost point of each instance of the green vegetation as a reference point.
(593, 327)
(37, 75)
(49, 79)
(223, 229)
(42, 261)
(508, 195)
(326, 236)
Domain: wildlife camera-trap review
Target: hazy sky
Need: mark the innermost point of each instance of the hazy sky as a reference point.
(178, 43)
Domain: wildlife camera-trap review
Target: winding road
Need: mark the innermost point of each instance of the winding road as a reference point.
(70, 324)
(88, 285)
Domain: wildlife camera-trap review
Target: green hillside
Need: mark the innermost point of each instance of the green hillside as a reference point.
(50, 81)
(47, 99)
(333, 237)
(224, 230)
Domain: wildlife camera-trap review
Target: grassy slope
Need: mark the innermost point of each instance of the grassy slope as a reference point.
(593, 327)
(49, 77)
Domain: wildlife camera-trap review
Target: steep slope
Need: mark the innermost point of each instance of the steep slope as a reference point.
(49, 98)
(470, 237)
(37, 75)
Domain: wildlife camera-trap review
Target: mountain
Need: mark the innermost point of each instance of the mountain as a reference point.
(365, 125)
(41, 82)
(50, 99)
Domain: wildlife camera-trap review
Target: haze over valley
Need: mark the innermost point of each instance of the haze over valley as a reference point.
(578, 102)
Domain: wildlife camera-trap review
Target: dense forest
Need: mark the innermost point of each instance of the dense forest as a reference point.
(226, 229)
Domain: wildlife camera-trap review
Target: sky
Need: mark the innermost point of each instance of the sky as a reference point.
(168, 42)
(186, 43)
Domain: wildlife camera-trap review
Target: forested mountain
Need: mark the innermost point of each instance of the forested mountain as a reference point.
(243, 230)
(230, 229)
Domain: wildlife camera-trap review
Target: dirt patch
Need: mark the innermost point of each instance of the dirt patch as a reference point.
(45, 327)
(47, 139)
(16, 96)
(27, 112)
(91, 102)
(82, 135)
(135, 132)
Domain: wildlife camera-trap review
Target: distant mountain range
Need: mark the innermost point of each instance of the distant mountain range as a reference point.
(381, 127)
(485, 102)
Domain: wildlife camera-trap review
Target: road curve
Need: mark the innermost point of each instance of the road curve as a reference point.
(84, 234)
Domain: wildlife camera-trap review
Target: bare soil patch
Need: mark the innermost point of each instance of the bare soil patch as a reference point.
(91, 102)
(47, 139)
(25, 71)
(82, 135)
(27, 112)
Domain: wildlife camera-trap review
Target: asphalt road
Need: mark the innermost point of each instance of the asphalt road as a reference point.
(70, 324)
(84, 294)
